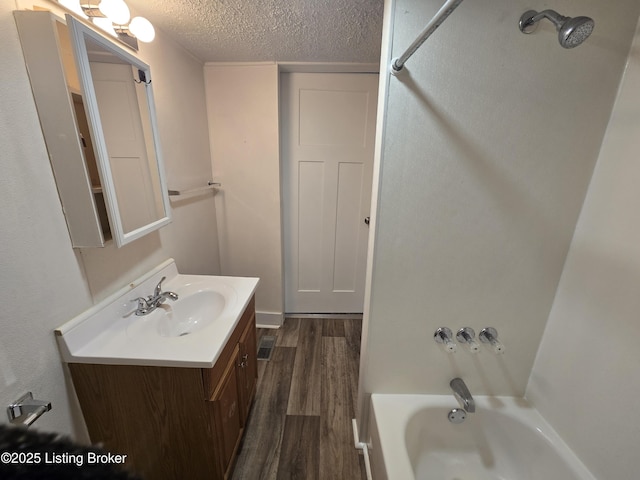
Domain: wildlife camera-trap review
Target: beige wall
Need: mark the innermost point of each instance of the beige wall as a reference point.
(242, 103)
(490, 138)
(585, 379)
(43, 281)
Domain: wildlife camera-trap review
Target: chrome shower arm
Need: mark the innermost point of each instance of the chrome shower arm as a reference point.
(552, 15)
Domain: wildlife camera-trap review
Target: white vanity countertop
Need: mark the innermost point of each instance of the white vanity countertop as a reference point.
(111, 333)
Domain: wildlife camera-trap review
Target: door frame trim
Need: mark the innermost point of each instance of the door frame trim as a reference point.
(309, 67)
(320, 67)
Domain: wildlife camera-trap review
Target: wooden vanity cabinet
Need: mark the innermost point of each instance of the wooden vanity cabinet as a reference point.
(248, 370)
(226, 403)
(173, 423)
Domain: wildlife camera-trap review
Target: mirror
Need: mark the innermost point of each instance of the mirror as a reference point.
(118, 101)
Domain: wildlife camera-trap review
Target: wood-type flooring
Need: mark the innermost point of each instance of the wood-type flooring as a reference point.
(300, 423)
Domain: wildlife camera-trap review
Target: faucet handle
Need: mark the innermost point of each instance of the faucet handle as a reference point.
(158, 290)
(490, 335)
(143, 306)
(142, 302)
(444, 336)
(466, 336)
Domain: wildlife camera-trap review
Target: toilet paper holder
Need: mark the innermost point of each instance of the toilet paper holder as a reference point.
(27, 410)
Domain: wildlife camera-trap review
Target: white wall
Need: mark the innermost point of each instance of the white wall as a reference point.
(489, 142)
(191, 238)
(242, 103)
(41, 279)
(585, 379)
(43, 282)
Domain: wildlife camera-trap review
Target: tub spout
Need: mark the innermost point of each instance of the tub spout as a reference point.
(462, 394)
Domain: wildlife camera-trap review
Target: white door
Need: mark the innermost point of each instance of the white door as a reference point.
(328, 132)
(124, 131)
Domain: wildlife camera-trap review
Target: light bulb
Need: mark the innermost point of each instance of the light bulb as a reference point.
(104, 24)
(142, 29)
(115, 10)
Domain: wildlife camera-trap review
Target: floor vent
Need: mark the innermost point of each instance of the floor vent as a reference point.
(265, 348)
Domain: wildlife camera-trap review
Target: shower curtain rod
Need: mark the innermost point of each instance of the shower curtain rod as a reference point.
(450, 5)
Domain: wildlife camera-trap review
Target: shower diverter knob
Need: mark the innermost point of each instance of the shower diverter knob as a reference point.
(490, 335)
(467, 336)
(444, 337)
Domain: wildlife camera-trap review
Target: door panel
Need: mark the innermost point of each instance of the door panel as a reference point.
(310, 209)
(327, 144)
(124, 128)
(348, 225)
(332, 118)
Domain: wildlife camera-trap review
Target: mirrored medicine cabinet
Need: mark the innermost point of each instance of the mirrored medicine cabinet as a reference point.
(96, 109)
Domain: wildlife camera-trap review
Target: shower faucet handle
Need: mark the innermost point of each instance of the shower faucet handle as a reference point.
(467, 336)
(490, 335)
(444, 336)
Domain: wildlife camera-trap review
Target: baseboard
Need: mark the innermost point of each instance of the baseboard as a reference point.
(269, 319)
(341, 316)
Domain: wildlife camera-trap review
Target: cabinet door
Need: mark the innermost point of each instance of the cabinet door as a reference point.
(227, 412)
(248, 368)
(51, 75)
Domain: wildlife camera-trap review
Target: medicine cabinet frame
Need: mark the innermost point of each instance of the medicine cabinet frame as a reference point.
(80, 35)
(84, 187)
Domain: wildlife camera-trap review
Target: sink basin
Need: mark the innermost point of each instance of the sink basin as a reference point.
(188, 332)
(189, 314)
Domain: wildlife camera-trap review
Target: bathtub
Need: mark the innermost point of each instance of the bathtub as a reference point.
(505, 439)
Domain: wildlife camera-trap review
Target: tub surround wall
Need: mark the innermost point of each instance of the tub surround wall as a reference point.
(44, 282)
(242, 103)
(585, 379)
(489, 142)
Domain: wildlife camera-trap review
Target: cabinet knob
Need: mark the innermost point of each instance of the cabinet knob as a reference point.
(245, 356)
(242, 364)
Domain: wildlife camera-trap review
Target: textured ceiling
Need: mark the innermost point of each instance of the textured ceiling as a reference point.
(271, 30)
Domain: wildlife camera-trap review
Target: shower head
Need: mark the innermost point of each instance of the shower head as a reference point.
(571, 31)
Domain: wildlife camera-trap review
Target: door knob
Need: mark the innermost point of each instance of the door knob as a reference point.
(367, 220)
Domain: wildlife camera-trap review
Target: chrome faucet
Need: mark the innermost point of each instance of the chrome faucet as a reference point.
(149, 304)
(462, 394)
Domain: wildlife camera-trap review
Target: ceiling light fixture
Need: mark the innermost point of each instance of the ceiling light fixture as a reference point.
(115, 10)
(142, 29)
(104, 24)
(114, 17)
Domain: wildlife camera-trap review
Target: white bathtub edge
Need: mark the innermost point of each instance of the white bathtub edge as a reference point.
(390, 414)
